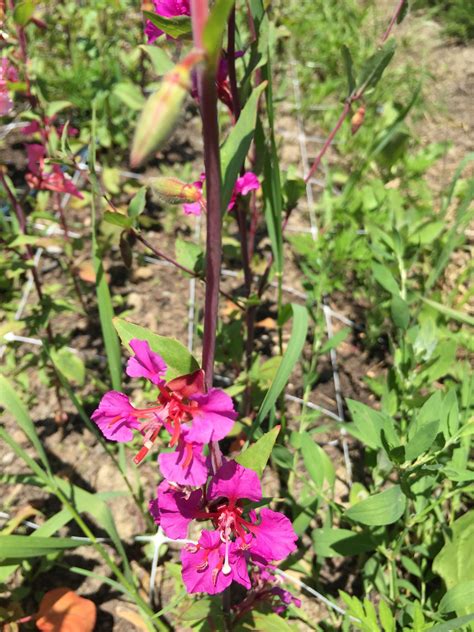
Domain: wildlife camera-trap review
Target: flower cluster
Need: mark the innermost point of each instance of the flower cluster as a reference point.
(192, 417)
(236, 537)
(51, 178)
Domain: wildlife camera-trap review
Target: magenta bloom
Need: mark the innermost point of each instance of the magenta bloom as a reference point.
(174, 508)
(51, 179)
(167, 9)
(190, 415)
(146, 363)
(222, 555)
(210, 566)
(243, 185)
(8, 74)
(267, 587)
(116, 417)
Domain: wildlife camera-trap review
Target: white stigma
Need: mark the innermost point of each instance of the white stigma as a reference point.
(226, 569)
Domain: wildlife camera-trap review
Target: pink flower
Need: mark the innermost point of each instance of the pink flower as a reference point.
(166, 9)
(34, 127)
(243, 185)
(146, 363)
(174, 508)
(8, 74)
(267, 587)
(210, 566)
(190, 415)
(53, 180)
(116, 417)
(241, 536)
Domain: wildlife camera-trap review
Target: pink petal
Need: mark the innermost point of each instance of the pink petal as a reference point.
(198, 564)
(192, 208)
(234, 482)
(275, 537)
(214, 417)
(146, 362)
(174, 509)
(246, 183)
(171, 465)
(115, 418)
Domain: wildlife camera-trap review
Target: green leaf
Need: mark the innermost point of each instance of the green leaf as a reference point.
(23, 12)
(374, 67)
(237, 145)
(450, 312)
(176, 356)
(270, 622)
(104, 300)
(137, 203)
(317, 463)
(347, 58)
(118, 219)
(56, 106)
(213, 32)
(369, 424)
(288, 361)
(160, 61)
(10, 401)
(26, 546)
(459, 599)
(69, 364)
(336, 340)
(177, 27)
(332, 542)
(256, 456)
(188, 254)
(386, 617)
(400, 312)
(129, 94)
(424, 428)
(455, 561)
(454, 625)
(385, 278)
(379, 509)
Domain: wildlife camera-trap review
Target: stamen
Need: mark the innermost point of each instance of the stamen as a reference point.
(176, 433)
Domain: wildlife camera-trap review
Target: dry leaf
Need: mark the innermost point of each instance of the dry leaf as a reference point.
(61, 610)
(132, 617)
(267, 323)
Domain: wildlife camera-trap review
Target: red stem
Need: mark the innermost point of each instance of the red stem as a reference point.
(208, 103)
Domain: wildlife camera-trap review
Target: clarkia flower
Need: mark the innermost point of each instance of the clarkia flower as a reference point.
(8, 74)
(268, 588)
(243, 185)
(191, 416)
(239, 535)
(166, 9)
(52, 180)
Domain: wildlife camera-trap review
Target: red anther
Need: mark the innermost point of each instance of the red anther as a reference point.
(138, 458)
(176, 432)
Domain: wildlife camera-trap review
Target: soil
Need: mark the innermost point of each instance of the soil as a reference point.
(157, 296)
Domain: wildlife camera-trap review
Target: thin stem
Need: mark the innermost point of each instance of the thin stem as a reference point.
(166, 257)
(395, 16)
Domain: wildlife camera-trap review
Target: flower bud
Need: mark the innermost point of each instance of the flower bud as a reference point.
(357, 119)
(162, 110)
(174, 191)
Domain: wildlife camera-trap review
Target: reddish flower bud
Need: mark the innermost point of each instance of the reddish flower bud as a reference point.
(357, 119)
(174, 191)
(162, 110)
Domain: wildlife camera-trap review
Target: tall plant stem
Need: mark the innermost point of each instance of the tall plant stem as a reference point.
(355, 96)
(210, 129)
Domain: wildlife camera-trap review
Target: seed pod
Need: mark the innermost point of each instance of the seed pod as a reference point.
(357, 119)
(126, 249)
(174, 191)
(162, 110)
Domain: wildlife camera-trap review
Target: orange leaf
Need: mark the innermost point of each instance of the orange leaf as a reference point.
(61, 610)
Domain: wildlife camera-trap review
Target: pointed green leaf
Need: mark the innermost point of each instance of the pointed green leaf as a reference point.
(379, 509)
(177, 27)
(256, 456)
(176, 356)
